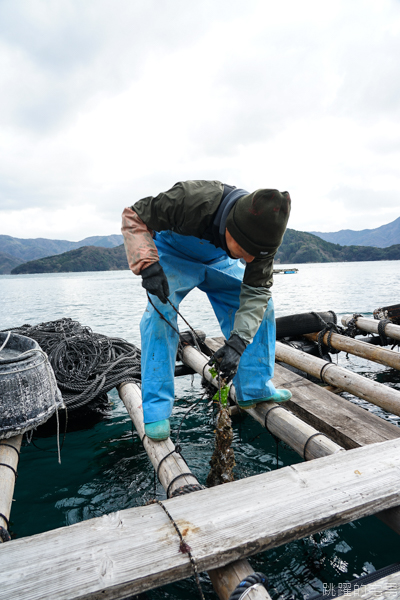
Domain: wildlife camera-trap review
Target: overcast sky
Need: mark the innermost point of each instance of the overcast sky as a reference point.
(103, 102)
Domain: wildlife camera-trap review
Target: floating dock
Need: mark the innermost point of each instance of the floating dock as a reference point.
(351, 469)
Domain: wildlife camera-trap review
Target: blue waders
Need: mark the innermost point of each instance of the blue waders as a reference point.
(189, 262)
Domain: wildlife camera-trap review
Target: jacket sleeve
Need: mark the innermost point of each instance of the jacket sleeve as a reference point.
(140, 248)
(253, 302)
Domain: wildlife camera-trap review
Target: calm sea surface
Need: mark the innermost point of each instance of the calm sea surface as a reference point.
(104, 467)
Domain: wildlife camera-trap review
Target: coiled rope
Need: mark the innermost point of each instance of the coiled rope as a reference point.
(85, 364)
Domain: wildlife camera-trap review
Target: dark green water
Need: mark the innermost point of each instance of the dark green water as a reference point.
(104, 467)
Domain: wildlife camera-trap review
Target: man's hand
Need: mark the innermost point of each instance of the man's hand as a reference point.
(155, 281)
(227, 358)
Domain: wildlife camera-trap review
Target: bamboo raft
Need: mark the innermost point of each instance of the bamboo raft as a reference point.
(351, 469)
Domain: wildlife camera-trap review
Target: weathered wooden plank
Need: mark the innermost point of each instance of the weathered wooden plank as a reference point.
(138, 548)
(175, 473)
(383, 356)
(9, 453)
(371, 325)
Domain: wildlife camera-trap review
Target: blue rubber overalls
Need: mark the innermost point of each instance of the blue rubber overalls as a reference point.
(189, 262)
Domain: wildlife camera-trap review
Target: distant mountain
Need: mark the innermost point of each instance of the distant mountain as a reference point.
(302, 247)
(31, 249)
(381, 237)
(7, 263)
(297, 247)
(86, 258)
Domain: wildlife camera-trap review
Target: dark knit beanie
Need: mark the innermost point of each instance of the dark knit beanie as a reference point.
(258, 221)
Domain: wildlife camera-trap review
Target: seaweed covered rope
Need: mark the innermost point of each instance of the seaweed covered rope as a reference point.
(86, 364)
(223, 459)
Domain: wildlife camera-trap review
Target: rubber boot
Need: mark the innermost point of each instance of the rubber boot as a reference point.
(279, 396)
(158, 431)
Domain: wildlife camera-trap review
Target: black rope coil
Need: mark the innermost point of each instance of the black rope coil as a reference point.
(385, 340)
(251, 581)
(85, 364)
(352, 329)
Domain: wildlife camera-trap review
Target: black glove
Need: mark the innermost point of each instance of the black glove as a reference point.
(155, 281)
(228, 357)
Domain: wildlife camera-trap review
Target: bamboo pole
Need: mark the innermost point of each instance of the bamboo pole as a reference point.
(9, 455)
(303, 438)
(371, 325)
(377, 354)
(376, 393)
(224, 579)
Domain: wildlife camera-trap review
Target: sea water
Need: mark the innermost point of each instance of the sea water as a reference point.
(103, 465)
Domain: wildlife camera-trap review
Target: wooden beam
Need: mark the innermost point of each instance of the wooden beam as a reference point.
(383, 356)
(371, 325)
(376, 393)
(9, 455)
(137, 549)
(175, 473)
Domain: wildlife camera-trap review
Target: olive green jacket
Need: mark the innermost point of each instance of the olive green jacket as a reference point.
(189, 208)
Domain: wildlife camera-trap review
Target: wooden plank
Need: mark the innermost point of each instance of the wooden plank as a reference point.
(175, 473)
(137, 549)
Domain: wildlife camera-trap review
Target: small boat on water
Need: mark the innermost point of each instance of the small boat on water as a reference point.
(286, 271)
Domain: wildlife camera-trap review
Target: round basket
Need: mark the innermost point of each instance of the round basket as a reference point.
(28, 389)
